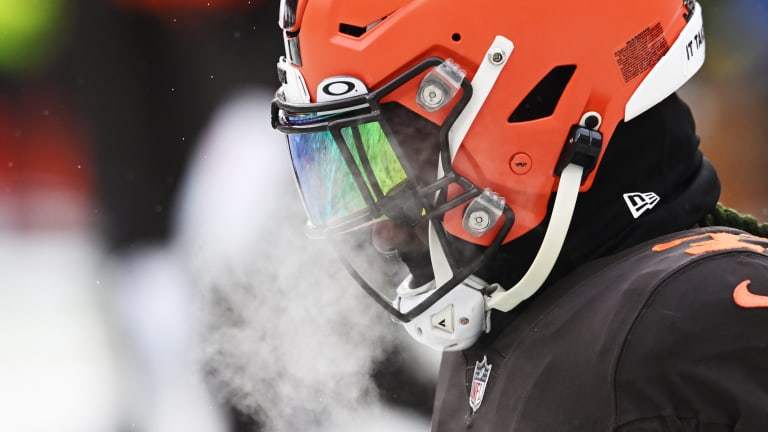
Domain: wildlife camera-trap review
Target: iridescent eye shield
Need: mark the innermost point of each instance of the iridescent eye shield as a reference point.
(348, 163)
(342, 172)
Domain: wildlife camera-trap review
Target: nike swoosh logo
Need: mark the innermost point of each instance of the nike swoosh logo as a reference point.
(746, 299)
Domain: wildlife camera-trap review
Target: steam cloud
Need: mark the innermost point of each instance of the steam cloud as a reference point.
(291, 340)
(288, 337)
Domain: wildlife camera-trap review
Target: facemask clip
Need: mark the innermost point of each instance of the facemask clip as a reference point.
(483, 213)
(439, 86)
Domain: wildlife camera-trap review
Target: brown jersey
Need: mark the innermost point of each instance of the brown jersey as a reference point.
(670, 335)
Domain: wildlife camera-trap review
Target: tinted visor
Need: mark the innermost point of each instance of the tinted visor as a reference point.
(342, 172)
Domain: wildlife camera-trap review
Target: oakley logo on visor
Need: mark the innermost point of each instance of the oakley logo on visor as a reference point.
(340, 87)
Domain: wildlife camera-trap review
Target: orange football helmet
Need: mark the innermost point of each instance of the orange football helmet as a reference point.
(415, 126)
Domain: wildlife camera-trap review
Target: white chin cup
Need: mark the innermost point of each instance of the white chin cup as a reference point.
(454, 322)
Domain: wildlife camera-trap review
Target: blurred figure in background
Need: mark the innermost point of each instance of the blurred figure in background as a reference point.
(56, 366)
(42, 147)
(147, 74)
(100, 105)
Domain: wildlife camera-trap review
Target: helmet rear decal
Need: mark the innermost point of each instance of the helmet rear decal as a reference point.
(642, 52)
(690, 6)
(681, 61)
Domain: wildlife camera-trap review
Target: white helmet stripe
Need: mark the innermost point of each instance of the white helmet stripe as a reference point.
(485, 78)
(684, 58)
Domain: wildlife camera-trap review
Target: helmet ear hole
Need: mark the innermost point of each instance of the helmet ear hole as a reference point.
(542, 100)
(591, 120)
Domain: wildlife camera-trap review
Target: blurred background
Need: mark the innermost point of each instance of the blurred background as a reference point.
(149, 230)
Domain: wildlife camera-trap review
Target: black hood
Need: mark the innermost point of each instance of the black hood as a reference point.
(656, 152)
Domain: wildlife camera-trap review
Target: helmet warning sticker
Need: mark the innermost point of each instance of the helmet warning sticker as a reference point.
(641, 52)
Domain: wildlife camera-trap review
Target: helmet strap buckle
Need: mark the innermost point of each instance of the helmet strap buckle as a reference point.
(582, 148)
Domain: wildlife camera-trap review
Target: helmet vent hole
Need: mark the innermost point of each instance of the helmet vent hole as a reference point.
(357, 31)
(542, 100)
(352, 30)
(456, 37)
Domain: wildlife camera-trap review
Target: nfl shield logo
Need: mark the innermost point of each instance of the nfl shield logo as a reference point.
(479, 384)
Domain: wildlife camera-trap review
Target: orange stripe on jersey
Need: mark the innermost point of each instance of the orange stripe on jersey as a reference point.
(718, 241)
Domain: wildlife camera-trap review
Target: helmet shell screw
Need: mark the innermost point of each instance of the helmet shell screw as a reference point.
(432, 95)
(439, 86)
(479, 220)
(497, 56)
(483, 212)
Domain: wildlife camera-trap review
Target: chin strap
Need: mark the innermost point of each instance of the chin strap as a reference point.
(565, 202)
(562, 212)
(565, 198)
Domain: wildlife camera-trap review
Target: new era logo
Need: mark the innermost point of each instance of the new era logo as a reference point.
(639, 202)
